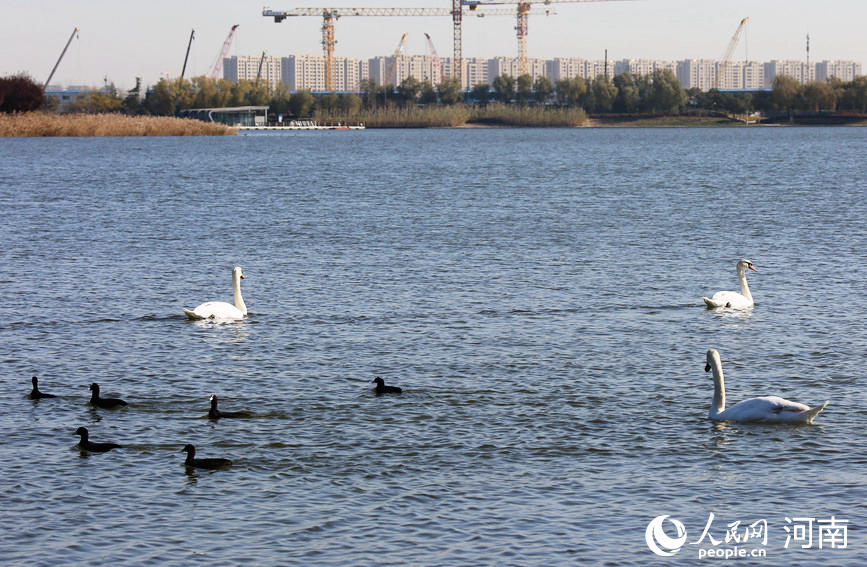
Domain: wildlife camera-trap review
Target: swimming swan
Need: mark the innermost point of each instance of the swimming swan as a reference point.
(733, 299)
(221, 309)
(769, 409)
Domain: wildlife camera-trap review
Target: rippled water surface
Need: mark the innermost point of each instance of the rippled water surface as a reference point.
(535, 292)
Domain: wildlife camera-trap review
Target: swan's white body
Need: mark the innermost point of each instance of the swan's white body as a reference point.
(768, 409)
(221, 309)
(733, 299)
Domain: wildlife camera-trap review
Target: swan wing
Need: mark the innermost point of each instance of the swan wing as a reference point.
(731, 299)
(770, 409)
(215, 310)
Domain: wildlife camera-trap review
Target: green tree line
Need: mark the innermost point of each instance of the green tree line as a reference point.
(656, 93)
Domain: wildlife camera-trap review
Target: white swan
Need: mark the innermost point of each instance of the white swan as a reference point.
(221, 309)
(733, 299)
(769, 409)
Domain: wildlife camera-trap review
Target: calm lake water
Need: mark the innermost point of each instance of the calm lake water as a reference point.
(537, 294)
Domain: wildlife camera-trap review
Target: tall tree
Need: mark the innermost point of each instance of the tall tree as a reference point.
(132, 100)
(666, 92)
(571, 92)
(19, 93)
(786, 93)
(543, 89)
(628, 97)
(819, 95)
(368, 93)
(348, 103)
(427, 94)
(524, 89)
(481, 93)
(300, 103)
(408, 90)
(504, 88)
(279, 103)
(450, 91)
(603, 92)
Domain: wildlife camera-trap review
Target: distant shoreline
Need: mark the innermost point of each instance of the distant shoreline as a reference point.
(40, 124)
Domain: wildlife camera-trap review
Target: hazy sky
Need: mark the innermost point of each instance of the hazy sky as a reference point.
(122, 40)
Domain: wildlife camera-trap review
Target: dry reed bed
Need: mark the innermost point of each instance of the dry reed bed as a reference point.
(458, 115)
(42, 124)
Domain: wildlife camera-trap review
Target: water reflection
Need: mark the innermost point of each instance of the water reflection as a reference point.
(721, 438)
(729, 313)
(224, 331)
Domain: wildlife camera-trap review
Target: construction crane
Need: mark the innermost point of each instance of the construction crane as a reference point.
(391, 67)
(522, 26)
(330, 15)
(187, 56)
(724, 60)
(59, 59)
(259, 72)
(218, 64)
(438, 65)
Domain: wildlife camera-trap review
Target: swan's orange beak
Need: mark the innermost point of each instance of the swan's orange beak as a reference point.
(242, 275)
(750, 266)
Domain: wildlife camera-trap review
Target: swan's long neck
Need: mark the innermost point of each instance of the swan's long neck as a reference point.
(236, 290)
(719, 388)
(745, 288)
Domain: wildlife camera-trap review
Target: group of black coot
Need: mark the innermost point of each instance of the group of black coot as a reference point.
(213, 413)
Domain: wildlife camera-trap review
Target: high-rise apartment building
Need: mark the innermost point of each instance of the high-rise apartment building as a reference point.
(697, 73)
(247, 67)
(300, 72)
(798, 70)
(844, 70)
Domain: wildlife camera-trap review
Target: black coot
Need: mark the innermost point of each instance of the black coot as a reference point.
(35, 394)
(105, 403)
(88, 445)
(192, 461)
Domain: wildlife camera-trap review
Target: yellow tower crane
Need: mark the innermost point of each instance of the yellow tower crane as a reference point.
(522, 26)
(723, 66)
(330, 15)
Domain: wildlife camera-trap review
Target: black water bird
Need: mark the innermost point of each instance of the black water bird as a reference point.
(105, 403)
(35, 394)
(215, 413)
(381, 388)
(87, 445)
(192, 461)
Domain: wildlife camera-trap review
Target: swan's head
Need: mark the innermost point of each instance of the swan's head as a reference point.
(82, 431)
(744, 264)
(237, 273)
(379, 381)
(94, 387)
(189, 449)
(712, 359)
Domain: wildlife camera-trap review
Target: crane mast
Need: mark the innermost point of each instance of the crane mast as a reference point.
(433, 51)
(259, 71)
(187, 56)
(724, 60)
(218, 64)
(393, 65)
(59, 59)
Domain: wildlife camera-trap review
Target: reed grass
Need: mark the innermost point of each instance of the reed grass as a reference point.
(403, 117)
(44, 124)
(527, 116)
(436, 116)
